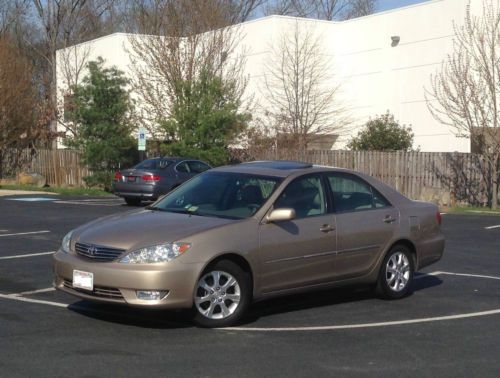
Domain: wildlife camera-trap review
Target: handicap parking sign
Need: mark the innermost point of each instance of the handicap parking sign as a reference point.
(141, 140)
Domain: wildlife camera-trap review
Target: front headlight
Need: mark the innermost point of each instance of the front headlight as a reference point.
(156, 253)
(65, 245)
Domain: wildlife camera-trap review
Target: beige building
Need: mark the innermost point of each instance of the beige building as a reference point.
(382, 62)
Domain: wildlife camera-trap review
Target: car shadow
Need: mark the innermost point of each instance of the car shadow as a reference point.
(326, 297)
(130, 316)
(179, 319)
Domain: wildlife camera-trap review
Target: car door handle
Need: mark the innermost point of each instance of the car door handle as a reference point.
(326, 228)
(389, 219)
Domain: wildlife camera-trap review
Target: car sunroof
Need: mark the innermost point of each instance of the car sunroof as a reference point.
(279, 164)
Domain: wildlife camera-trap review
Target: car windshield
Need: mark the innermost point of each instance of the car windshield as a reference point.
(220, 194)
(153, 164)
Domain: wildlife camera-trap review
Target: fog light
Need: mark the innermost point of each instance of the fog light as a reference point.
(152, 295)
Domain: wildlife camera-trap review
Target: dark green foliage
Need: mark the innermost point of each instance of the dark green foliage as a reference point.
(205, 119)
(100, 110)
(383, 134)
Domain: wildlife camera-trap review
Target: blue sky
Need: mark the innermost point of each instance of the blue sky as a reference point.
(391, 4)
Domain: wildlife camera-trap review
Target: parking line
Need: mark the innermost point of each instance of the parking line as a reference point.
(25, 233)
(99, 200)
(466, 275)
(492, 227)
(16, 297)
(88, 203)
(19, 297)
(425, 275)
(27, 255)
(366, 325)
(37, 291)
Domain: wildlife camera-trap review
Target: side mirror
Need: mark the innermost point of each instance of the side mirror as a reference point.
(281, 215)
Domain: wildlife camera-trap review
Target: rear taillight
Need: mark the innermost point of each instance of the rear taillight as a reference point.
(118, 176)
(438, 218)
(150, 178)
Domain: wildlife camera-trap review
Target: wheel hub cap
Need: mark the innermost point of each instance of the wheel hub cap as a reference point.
(217, 295)
(397, 271)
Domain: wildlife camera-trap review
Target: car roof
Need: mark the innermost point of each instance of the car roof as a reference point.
(283, 169)
(172, 158)
(276, 168)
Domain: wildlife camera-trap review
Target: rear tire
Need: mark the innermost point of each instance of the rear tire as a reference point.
(132, 201)
(396, 273)
(222, 295)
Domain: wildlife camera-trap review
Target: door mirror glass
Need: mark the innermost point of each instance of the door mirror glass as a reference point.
(281, 215)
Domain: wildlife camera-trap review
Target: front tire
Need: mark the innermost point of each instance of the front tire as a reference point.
(396, 273)
(222, 295)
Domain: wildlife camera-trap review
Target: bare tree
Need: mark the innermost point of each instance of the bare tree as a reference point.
(361, 8)
(10, 11)
(465, 94)
(242, 10)
(17, 102)
(322, 9)
(189, 38)
(134, 13)
(63, 23)
(71, 65)
(300, 91)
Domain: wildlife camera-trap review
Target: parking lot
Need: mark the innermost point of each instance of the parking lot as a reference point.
(450, 325)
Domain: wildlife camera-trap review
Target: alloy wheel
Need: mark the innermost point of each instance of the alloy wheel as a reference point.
(397, 271)
(217, 295)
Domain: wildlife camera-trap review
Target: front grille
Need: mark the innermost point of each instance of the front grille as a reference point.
(99, 291)
(97, 252)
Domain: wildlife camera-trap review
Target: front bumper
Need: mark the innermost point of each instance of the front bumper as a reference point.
(118, 283)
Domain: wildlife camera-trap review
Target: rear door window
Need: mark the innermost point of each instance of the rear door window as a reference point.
(183, 167)
(197, 166)
(351, 193)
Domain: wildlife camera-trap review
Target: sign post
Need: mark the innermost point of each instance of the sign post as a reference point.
(141, 143)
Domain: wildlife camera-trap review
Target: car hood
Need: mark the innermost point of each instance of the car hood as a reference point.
(143, 228)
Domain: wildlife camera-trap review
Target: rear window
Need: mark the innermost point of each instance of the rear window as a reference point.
(153, 164)
(351, 193)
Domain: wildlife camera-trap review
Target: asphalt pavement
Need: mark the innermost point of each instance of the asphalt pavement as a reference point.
(450, 325)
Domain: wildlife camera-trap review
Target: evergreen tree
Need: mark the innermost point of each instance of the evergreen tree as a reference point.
(383, 133)
(205, 119)
(101, 109)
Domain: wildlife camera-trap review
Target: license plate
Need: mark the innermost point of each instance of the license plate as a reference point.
(83, 280)
(131, 178)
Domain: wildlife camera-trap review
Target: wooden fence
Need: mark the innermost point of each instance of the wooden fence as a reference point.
(439, 177)
(59, 167)
(445, 178)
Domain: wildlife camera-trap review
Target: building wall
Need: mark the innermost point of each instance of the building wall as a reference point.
(374, 76)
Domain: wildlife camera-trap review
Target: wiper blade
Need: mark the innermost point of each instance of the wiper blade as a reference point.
(192, 210)
(154, 208)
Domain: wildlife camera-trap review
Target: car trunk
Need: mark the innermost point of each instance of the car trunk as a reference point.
(137, 176)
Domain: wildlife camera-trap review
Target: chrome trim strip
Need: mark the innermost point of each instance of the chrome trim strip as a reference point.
(302, 257)
(341, 252)
(358, 249)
